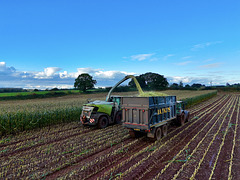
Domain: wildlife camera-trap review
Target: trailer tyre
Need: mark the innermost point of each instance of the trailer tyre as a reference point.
(102, 122)
(158, 133)
(132, 134)
(135, 134)
(164, 130)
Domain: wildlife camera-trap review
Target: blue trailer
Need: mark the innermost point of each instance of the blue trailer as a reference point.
(152, 115)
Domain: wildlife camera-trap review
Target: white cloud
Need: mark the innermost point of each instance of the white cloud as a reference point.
(177, 79)
(48, 72)
(52, 77)
(208, 60)
(87, 70)
(204, 45)
(186, 57)
(183, 63)
(209, 66)
(2, 66)
(111, 74)
(191, 80)
(167, 56)
(5, 69)
(141, 57)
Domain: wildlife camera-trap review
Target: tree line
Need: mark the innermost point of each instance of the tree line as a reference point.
(149, 81)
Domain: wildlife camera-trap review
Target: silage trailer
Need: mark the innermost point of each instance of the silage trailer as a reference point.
(152, 115)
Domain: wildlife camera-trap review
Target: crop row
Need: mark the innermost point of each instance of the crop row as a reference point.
(52, 157)
(64, 137)
(206, 104)
(198, 99)
(183, 150)
(114, 170)
(211, 133)
(234, 142)
(92, 153)
(143, 155)
(15, 122)
(22, 117)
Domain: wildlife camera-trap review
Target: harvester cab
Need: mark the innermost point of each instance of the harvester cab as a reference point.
(103, 113)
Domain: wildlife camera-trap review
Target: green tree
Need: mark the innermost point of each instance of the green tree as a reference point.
(181, 84)
(141, 81)
(84, 82)
(155, 81)
(151, 80)
(197, 85)
(174, 86)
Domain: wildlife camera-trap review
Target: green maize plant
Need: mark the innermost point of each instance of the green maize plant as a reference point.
(14, 122)
(197, 99)
(21, 115)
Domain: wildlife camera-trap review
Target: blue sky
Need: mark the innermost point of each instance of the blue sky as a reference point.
(48, 43)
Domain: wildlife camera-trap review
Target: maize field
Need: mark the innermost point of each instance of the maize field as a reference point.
(207, 147)
(22, 115)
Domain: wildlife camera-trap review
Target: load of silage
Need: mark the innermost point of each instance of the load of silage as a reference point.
(151, 93)
(146, 94)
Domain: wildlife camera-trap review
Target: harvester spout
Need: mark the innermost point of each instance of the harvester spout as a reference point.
(121, 81)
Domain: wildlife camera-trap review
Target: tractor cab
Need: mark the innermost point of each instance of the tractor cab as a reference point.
(180, 107)
(116, 102)
(182, 114)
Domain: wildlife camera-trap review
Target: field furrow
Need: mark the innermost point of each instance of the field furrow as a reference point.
(183, 155)
(175, 136)
(199, 153)
(206, 147)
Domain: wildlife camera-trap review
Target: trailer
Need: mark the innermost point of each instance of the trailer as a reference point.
(152, 115)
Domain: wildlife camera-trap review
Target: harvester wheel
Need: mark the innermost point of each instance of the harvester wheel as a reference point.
(118, 118)
(102, 122)
(164, 130)
(182, 119)
(158, 133)
(187, 119)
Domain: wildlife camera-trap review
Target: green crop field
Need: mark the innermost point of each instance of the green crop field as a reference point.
(21, 115)
(69, 151)
(35, 92)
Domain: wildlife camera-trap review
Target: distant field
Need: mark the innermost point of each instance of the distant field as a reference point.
(77, 100)
(34, 92)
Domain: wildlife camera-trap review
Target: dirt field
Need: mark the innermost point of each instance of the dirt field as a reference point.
(207, 147)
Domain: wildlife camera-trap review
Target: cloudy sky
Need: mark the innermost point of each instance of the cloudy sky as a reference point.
(48, 43)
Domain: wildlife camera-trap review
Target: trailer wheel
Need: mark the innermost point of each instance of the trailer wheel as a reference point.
(158, 133)
(164, 130)
(132, 134)
(135, 134)
(102, 122)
